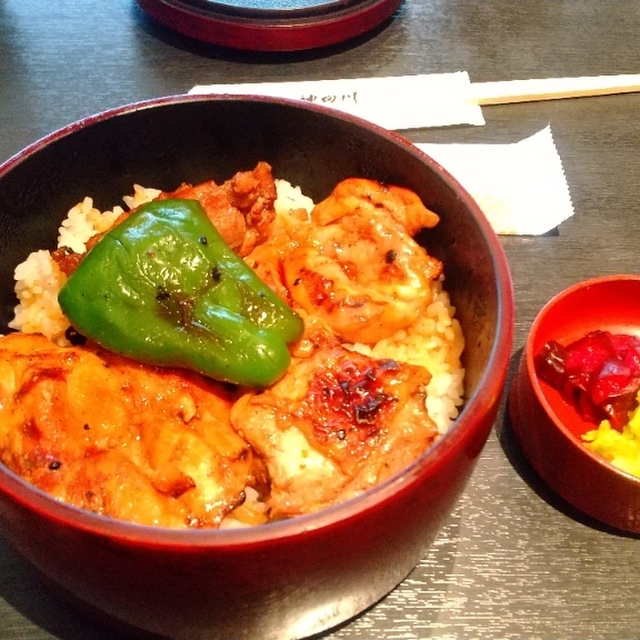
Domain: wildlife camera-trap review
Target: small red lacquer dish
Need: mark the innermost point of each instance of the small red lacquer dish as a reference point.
(549, 427)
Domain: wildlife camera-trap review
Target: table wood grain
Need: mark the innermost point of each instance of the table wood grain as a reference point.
(513, 561)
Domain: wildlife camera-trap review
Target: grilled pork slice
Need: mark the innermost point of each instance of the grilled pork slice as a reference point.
(338, 423)
(148, 445)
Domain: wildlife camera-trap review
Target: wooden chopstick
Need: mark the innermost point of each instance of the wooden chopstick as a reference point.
(509, 91)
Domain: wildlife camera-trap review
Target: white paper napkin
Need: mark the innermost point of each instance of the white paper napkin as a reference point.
(396, 102)
(521, 187)
(428, 100)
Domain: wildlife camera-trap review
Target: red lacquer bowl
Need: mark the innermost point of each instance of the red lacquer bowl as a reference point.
(549, 428)
(288, 579)
(268, 25)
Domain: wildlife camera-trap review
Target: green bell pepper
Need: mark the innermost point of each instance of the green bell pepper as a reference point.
(164, 288)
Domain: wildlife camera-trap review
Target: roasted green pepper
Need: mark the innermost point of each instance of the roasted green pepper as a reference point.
(163, 287)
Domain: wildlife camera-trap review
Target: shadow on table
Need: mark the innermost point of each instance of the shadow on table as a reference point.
(516, 457)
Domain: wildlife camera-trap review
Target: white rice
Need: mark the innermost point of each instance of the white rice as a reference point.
(83, 222)
(435, 342)
(290, 197)
(39, 279)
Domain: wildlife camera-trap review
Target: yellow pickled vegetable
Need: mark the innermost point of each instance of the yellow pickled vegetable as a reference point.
(620, 448)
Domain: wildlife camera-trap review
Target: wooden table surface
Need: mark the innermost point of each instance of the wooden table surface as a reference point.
(513, 561)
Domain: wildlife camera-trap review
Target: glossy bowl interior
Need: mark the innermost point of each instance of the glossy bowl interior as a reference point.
(294, 578)
(549, 428)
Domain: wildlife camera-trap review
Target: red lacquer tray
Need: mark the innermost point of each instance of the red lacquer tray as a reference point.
(271, 25)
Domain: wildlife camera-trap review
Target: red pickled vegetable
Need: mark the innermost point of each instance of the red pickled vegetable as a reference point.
(599, 373)
(551, 364)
